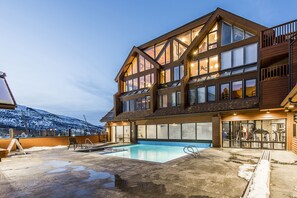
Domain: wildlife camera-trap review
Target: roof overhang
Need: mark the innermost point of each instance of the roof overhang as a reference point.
(290, 102)
(6, 98)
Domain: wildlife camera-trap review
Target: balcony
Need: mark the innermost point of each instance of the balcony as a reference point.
(274, 41)
(274, 83)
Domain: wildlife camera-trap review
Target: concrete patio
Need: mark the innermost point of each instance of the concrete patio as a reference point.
(63, 173)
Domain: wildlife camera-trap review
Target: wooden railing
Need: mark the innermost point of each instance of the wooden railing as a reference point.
(274, 72)
(278, 34)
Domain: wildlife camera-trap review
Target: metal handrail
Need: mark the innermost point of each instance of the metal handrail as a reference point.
(192, 150)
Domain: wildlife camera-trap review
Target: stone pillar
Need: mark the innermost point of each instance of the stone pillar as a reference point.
(133, 136)
(11, 133)
(216, 132)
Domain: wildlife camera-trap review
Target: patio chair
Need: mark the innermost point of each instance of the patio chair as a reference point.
(72, 141)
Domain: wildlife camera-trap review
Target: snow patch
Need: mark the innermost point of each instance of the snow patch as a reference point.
(246, 171)
(259, 187)
(43, 148)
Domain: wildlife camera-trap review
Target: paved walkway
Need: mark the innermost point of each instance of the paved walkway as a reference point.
(63, 173)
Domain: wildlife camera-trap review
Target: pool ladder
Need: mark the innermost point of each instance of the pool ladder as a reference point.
(192, 150)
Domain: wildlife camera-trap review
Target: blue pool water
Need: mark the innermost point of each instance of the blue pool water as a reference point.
(152, 153)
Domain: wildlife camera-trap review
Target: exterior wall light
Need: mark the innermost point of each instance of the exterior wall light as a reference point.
(235, 114)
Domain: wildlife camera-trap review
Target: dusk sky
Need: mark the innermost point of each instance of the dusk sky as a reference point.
(63, 55)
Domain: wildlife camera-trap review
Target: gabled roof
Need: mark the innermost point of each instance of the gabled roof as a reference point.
(6, 98)
(131, 56)
(227, 16)
(108, 117)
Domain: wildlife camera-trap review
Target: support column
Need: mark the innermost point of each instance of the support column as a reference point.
(10, 133)
(289, 135)
(216, 132)
(133, 136)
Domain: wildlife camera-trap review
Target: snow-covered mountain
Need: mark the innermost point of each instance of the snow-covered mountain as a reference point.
(35, 119)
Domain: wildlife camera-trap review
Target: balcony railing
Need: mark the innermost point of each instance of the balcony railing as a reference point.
(278, 34)
(273, 72)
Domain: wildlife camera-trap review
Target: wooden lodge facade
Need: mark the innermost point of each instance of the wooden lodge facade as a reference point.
(220, 79)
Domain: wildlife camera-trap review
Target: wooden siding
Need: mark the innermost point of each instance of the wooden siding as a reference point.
(274, 53)
(294, 63)
(294, 145)
(273, 92)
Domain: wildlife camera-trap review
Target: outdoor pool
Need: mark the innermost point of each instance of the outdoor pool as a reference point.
(152, 153)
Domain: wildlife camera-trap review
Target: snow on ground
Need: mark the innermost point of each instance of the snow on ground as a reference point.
(246, 171)
(43, 148)
(259, 187)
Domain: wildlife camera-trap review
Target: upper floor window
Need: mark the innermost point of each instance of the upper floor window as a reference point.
(128, 105)
(250, 88)
(204, 66)
(210, 41)
(201, 94)
(178, 72)
(143, 103)
(163, 101)
(236, 89)
(175, 98)
(225, 91)
(211, 93)
(231, 34)
(239, 56)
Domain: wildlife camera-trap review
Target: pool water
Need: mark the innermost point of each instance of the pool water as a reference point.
(152, 153)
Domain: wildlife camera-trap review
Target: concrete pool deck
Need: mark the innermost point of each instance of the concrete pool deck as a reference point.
(64, 173)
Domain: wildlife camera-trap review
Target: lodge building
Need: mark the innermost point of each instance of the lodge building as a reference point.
(220, 79)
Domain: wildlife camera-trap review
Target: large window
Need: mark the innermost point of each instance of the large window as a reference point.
(225, 91)
(188, 131)
(250, 88)
(206, 65)
(204, 131)
(239, 56)
(141, 131)
(210, 41)
(231, 34)
(236, 89)
(201, 94)
(178, 72)
(162, 131)
(175, 131)
(151, 131)
(167, 76)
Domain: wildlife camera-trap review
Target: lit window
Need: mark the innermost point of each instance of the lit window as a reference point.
(148, 80)
(148, 65)
(236, 89)
(150, 51)
(250, 88)
(163, 101)
(203, 46)
(225, 91)
(159, 47)
(194, 68)
(213, 64)
(211, 93)
(141, 82)
(153, 78)
(201, 94)
(212, 40)
(134, 65)
(167, 76)
(135, 83)
(203, 66)
(141, 63)
(162, 77)
(185, 37)
(196, 31)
